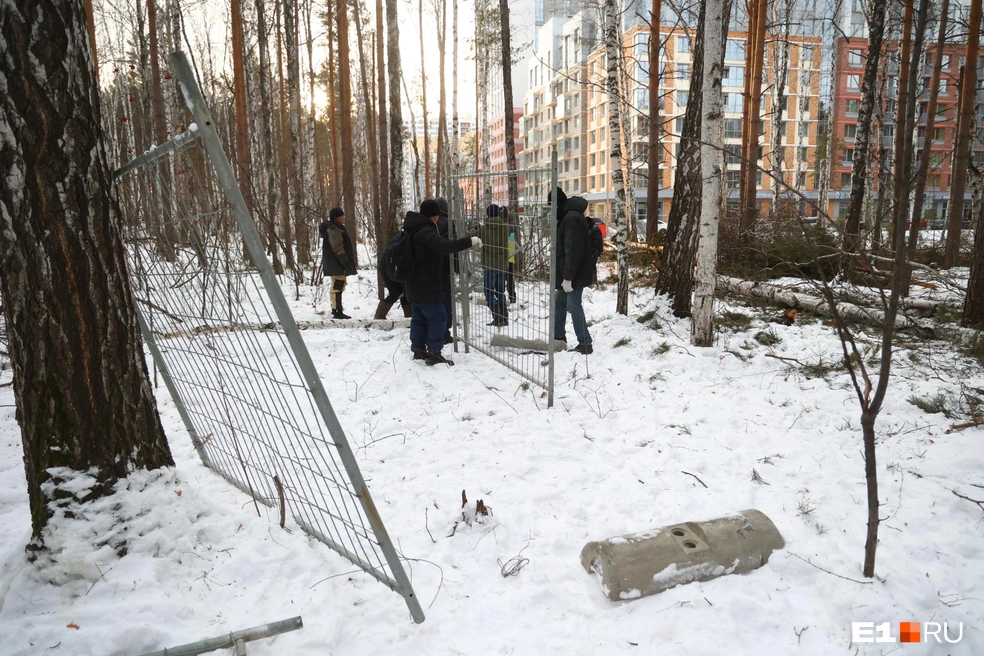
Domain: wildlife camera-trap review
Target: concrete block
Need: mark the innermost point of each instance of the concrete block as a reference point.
(508, 341)
(641, 564)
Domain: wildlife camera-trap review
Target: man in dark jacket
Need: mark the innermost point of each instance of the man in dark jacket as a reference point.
(425, 292)
(575, 268)
(337, 260)
(394, 290)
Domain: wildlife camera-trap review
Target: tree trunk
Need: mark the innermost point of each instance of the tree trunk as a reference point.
(655, 151)
(859, 175)
(754, 64)
(239, 93)
(335, 191)
(84, 401)
(295, 168)
(396, 202)
(265, 138)
(389, 218)
(777, 148)
(507, 92)
(973, 309)
(961, 156)
(613, 47)
(903, 112)
(345, 116)
(715, 28)
(286, 177)
(676, 265)
(925, 160)
(455, 154)
(442, 117)
(371, 142)
(423, 98)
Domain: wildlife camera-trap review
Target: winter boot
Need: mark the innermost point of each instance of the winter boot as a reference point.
(435, 357)
(419, 352)
(382, 310)
(338, 314)
(407, 309)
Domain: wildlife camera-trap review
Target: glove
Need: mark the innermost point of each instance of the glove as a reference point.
(348, 267)
(476, 242)
(567, 286)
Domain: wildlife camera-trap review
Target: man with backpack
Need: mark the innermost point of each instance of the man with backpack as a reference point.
(424, 289)
(337, 259)
(394, 289)
(575, 267)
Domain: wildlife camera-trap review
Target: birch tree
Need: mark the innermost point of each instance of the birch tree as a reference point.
(715, 27)
(84, 401)
(345, 127)
(655, 149)
(395, 72)
(613, 48)
(676, 265)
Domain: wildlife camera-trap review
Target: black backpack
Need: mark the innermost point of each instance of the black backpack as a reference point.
(399, 260)
(596, 240)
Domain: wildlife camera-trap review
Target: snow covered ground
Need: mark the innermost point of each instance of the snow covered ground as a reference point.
(634, 428)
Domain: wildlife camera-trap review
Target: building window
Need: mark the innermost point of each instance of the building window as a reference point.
(732, 128)
(845, 180)
(734, 76)
(854, 82)
(804, 153)
(807, 56)
(682, 97)
(938, 134)
(734, 50)
(850, 131)
(943, 87)
(852, 106)
(946, 62)
(733, 102)
(853, 57)
(848, 159)
(683, 71)
(592, 136)
(732, 154)
(804, 130)
(682, 44)
(935, 158)
(734, 180)
(678, 126)
(933, 181)
(941, 113)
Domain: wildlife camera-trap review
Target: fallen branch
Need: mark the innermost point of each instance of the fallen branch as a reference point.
(695, 476)
(978, 421)
(980, 504)
(831, 573)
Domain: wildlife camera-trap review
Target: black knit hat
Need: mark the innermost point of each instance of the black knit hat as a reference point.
(493, 210)
(561, 197)
(430, 208)
(335, 213)
(442, 206)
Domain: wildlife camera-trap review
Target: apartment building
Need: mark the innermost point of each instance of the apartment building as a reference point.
(851, 55)
(497, 151)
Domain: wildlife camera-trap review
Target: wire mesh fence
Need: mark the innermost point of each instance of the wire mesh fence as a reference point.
(504, 291)
(230, 352)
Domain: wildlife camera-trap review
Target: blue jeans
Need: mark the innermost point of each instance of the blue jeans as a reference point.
(570, 301)
(427, 326)
(495, 291)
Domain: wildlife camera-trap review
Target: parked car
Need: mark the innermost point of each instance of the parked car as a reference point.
(641, 228)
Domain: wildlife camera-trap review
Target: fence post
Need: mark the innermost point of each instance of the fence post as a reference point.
(553, 278)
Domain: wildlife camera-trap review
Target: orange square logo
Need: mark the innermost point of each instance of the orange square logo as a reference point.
(908, 631)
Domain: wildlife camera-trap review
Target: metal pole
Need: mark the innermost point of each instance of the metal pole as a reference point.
(464, 279)
(553, 278)
(237, 639)
(227, 180)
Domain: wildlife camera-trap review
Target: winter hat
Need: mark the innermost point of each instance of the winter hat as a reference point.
(335, 213)
(561, 197)
(442, 205)
(493, 210)
(430, 208)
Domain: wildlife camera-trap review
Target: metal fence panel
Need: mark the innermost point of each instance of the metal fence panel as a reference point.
(504, 291)
(227, 346)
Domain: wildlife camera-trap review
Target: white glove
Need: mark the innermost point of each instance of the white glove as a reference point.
(476, 242)
(567, 286)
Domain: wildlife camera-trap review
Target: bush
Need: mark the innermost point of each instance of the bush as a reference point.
(783, 246)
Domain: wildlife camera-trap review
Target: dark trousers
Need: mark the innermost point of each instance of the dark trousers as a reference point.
(495, 292)
(427, 326)
(511, 283)
(446, 281)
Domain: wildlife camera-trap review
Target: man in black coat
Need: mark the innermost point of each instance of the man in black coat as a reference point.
(337, 260)
(426, 291)
(575, 268)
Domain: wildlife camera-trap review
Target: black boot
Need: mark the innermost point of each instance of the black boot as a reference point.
(435, 357)
(338, 314)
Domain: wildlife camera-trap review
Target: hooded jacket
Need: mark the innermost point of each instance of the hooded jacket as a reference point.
(429, 249)
(574, 260)
(336, 259)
